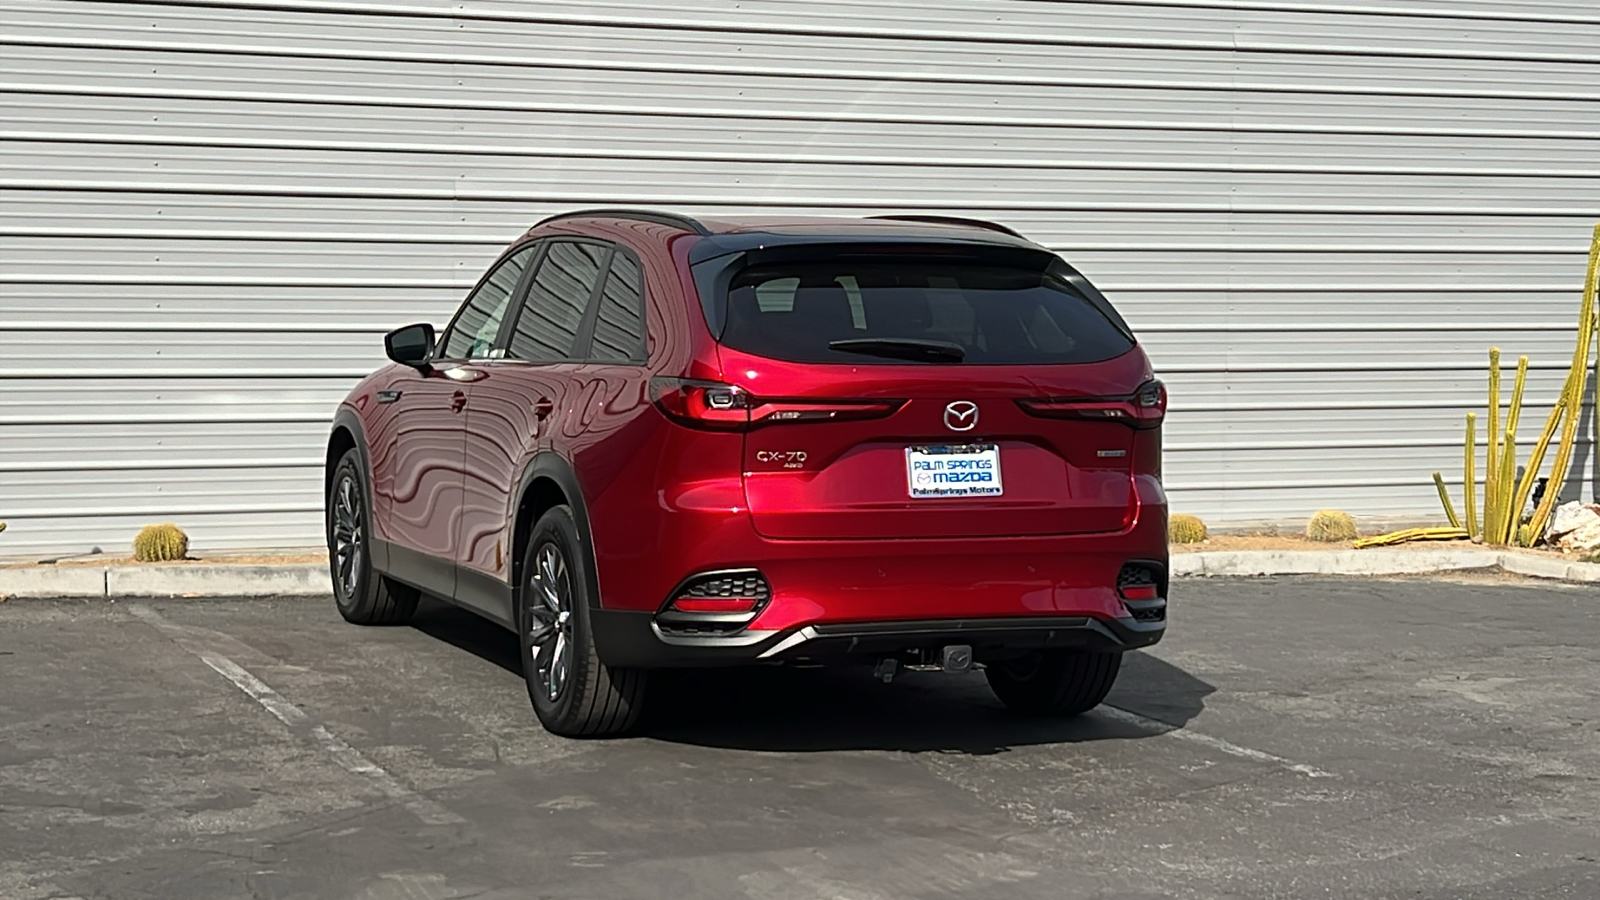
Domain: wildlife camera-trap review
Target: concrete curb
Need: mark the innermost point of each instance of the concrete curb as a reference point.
(311, 579)
(293, 580)
(217, 580)
(1380, 561)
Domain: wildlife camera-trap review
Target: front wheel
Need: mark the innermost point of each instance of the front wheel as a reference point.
(1054, 682)
(362, 595)
(574, 694)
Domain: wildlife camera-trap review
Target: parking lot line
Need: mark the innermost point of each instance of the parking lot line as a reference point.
(1232, 749)
(347, 757)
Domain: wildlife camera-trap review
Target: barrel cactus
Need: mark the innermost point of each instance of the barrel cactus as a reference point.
(160, 543)
(1330, 526)
(1186, 529)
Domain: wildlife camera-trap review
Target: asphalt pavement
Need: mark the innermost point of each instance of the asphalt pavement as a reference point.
(1398, 738)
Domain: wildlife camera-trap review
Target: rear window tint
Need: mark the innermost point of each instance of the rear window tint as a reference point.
(997, 315)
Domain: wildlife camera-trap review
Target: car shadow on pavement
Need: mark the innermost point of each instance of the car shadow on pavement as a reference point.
(773, 708)
(469, 632)
(845, 708)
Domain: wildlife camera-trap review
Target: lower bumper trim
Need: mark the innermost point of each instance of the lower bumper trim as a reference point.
(630, 639)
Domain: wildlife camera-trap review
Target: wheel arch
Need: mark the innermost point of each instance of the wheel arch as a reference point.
(346, 435)
(549, 481)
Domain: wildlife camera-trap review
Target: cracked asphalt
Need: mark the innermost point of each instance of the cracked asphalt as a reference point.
(1290, 738)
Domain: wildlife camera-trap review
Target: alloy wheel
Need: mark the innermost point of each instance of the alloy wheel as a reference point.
(547, 625)
(348, 541)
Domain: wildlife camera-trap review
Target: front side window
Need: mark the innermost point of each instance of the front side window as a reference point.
(919, 311)
(476, 326)
(547, 328)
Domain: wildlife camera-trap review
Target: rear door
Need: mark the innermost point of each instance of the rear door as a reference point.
(916, 399)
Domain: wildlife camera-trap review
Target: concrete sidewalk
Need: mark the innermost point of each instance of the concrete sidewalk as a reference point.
(223, 579)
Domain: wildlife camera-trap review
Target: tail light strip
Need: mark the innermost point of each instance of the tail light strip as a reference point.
(1144, 408)
(726, 407)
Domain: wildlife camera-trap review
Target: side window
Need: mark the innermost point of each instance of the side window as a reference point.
(548, 325)
(473, 333)
(619, 322)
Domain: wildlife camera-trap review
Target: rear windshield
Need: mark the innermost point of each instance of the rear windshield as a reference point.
(996, 315)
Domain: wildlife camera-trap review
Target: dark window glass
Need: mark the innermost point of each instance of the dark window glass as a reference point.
(556, 302)
(997, 315)
(619, 322)
(472, 336)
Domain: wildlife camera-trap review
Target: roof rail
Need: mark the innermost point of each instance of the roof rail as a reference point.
(952, 220)
(687, 223)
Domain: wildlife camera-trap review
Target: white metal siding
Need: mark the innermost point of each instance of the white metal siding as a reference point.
(1317, 213)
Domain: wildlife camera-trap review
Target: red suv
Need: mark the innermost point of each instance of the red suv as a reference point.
(651, 441)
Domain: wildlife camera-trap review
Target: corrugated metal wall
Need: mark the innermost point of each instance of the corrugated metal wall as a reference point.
(1318, 213)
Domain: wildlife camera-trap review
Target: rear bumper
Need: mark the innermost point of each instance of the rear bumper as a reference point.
(864, 598)
(631, 639)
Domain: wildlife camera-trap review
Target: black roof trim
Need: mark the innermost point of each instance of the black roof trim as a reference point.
(952, 220)
(677, 220)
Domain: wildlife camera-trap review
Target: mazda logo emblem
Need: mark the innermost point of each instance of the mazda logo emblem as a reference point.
(961, 415)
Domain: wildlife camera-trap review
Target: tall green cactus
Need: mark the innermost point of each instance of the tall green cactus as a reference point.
(1507, 516)
(1469, 476)
(1572, 393)
(1491, 462)
(1444, 498)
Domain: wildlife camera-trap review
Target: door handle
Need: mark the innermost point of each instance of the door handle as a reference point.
(543, 408)
(458, 401)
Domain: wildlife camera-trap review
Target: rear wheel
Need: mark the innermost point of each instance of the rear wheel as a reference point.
(1054, 682)
(362, 595)
(574, 694)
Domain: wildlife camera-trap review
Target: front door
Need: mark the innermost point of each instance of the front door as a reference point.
(425, 485)
(414, 436)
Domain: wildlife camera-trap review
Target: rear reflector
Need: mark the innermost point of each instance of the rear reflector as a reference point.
(703, 605)
(1139, 592)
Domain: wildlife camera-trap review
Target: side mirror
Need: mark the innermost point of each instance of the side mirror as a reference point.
(410, 346)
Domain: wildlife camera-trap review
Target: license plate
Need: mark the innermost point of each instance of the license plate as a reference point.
(953, 470)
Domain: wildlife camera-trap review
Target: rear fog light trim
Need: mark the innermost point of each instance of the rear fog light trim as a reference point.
(714, 604)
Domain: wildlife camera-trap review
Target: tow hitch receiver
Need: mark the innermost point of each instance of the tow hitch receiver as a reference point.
(952, 658)
(956, 658)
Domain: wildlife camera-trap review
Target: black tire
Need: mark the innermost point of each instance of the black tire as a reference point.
(362, 595)
(1054, 682)
(574, 694)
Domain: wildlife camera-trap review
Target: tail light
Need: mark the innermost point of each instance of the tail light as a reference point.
(702, 404)
(713, 405)
(1145, 408)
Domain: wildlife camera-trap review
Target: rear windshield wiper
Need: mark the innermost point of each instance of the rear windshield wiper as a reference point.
(914, 349)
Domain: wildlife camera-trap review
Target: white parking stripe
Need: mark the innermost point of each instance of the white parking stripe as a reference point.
(346, 756)
(1160, 727)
